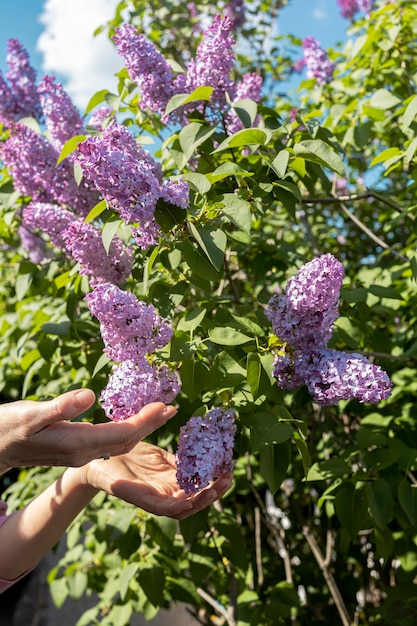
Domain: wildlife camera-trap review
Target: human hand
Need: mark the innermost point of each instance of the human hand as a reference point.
(39, 433)
(146, 477)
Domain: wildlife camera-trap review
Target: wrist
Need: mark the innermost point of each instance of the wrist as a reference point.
(77, 479)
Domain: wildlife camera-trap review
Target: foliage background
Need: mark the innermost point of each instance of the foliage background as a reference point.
(320, 525)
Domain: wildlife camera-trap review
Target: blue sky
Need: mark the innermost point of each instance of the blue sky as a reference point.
(62, 43)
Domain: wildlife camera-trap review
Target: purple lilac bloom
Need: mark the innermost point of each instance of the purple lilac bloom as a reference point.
(214, 62)
(304, 319)
(33, 244)
(31, 161)
(317, 62)
(85, 244)
(175, 192)
(331, 376)
(348, 8)
(316, 287)
(205, 449)
(146, 66)
(235, 11)
(125, 176)
(130, 328)
(249, 87)
(101, 118)
(50, 219)
(133, 385)
(18, 95)
(62, 118)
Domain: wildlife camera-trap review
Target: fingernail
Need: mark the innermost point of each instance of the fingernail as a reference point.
(169, 411)
(84, 397)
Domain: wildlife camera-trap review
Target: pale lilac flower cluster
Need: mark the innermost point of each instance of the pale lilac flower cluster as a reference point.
(131, 331)
(80, 241)
(348, 8)
(304, 320)
(18, 95)
(132, 385)
(50, 219)
(31, 161)
(212, 66)
(146, 66)
(214, 62)
(62, 118)
(316, 61)
(34, 245)
(128, 179)
(84, 243)
(331, 376)
(205, 449)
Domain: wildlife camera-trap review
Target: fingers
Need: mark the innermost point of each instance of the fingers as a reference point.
(208, 496)
(66, 406)
(115, 438)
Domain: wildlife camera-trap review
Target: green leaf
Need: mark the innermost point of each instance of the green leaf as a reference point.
(243, 138)
(95, 100)
(194, 378)
(386, 155)
(407, 496)
(385, 292)
(69, 147)
(317, 151)
(97, 210)
(384, 99)
(108, 233)
(198, 263)
(199, 182)
(200, 93)
(280, 163)
(192, 320)
(147, 269)
(327, 470)
(351, 508)
(212, 241)
(237, 211)
(409, 114)
(193, 135)
(267, 429)
(58, 589)
(101, 363)
(226, 336)
(273, 463)
(380, 502)
(228, 169)
(246, 109)
(253, 372)
(77, 584)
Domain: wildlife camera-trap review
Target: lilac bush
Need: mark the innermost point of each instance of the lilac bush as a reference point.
(18, 94)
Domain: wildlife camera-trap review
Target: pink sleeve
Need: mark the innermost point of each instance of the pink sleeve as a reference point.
(5, 584)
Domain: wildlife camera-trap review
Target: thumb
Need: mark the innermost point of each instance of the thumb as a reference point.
(68, 405)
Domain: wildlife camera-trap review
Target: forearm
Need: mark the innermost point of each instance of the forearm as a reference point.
(31, 532)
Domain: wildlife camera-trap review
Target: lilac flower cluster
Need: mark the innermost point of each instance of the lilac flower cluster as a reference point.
(80, 241)
(212, 66)
(304, 320)
(132, 385)
(316, 61)
(102, 117)
(348, 8)
(131, 331)
(214, 62)
(62, 118)
(205, 449)
(128, 179)
(31, 160)
(18, 94)
(146, 66)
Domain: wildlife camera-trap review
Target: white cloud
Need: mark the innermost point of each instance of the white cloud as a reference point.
(84, 63)
(320, 11)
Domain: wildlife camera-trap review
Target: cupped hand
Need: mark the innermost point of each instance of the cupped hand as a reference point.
(146, 478)
(40, 433)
